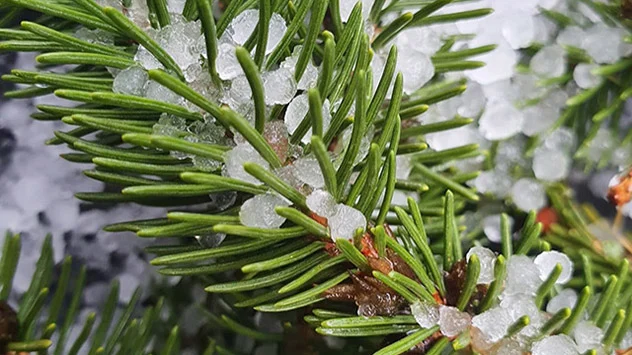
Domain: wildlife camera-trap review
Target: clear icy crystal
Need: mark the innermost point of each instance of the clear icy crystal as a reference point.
(421, 39)
(321, 203)
(491, 227)
(169, 125)
(584, 78)
(276, 30)
(345, 221)
(279, 86)
(550, 164)
(146, 59)
(528, 194)
(549, 62)
(453, 322)
(416, 68)
(555, 345)
(308, 171)
(227, 64)
(235, 159)
(210, 240)
(242, 26)
(487, 258)
(508, 347)
(564, 299)
(587, 336)
(500, 121)
(523, 276)
(602, 143)
(296, 112)
(493, 323)
(175, 6)
(426, 314)
(131, 81)
(547, 260)
(158, 92)
(259, 211)
(310, 75)
(95, 36)
(521, 305)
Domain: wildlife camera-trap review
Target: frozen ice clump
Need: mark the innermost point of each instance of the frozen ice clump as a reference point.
(237, 157)
(473, 100)
(175, 6)
(259, 211)
(345, 221)
(491, 227)
(426, 314)
(487, 259)
(584, 78)
(500, 120)
(169, 125)
(321, 203)
(528, 194)
(565, 299)
(562, 139)
(421, 39)
(602, 143)
(279, 86)
(547, 260)
(131, 81)
(453, 322)
(550, 164)
(95, 36)
(587, 336)
(308, 171)
(523, 276)
(549, 62)
(179, 39)
(499, 66)
(416, 67)
(493, 323)
(310, 75)
(555, 345)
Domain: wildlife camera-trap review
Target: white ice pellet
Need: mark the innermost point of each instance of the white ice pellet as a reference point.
(131, 81)
(473, 100)
(242, 26)
(519, 30)
(602, 42)
(549, 62)
(345, 221)
(298, 109)
(493, 323)
(562, 139)
(571, 36)
(237, 157)
(487, 258)
(528, 194)
(491, 227)
(146, 59)
(555, 345)
(495, 182)
(550, 164)
(539, 118)
(500, 120)
(583, 76)
(426, 314)
(547, 260)
(500, 63)
(158, 92)
(279, 86)
(453, 322)
(564, 299)
(523, 276)
(602, 143)
(308, 171)
(587, 336)
(321, 203)
(421, 39)
(259, 211)
(276, 30)
(210, 240)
